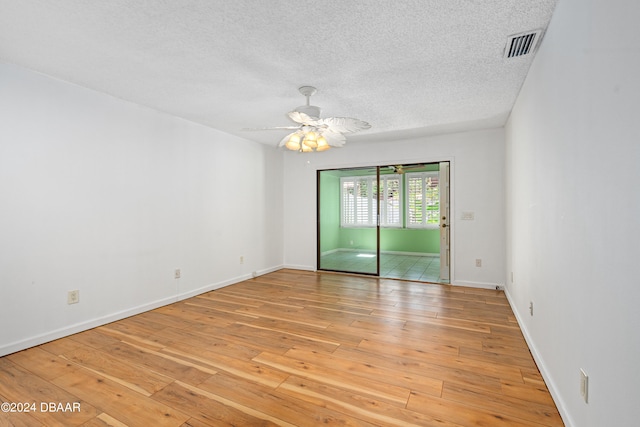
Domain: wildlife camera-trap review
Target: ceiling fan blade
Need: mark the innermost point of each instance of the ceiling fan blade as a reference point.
(334, 139)
(303, 118)
(272, 128)
(344, 124)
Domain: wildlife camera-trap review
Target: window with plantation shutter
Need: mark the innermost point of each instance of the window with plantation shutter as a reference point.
(390, 201)
(358, 201)
(422, 200)
(348, 205)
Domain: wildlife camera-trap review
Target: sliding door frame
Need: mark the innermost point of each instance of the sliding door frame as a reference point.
(449, 222)
(318, 223)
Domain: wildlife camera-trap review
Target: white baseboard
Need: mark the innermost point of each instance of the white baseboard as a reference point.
(481, 285)
(553, 389)
(99, 321)
(299, 267)
(268, 270)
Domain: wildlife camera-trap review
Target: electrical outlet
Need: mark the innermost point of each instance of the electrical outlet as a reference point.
(241, 259)
(177, 273)
(73, 297)
(584, 385)
(512, 277)
(531, 307)
(478, 262)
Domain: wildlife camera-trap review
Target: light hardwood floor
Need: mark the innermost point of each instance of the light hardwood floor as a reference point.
(293, 348)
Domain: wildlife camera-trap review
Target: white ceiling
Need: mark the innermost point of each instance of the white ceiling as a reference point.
(408, 67)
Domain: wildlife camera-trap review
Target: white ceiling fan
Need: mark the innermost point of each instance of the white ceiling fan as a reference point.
(315, 134)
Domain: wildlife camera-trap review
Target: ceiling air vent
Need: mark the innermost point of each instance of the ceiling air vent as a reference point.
(522, 44)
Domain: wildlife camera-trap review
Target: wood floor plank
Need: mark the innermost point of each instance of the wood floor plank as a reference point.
(292, 315)
(165, 319)
(374, 369)
(535, 393)
(17, 419)
(93, 338)
(121, 403)
(497, 358)
(370, 410)
(412, 368)
(118, 370)
(195, 314)
(211, 409)
(42, 363)
(322, 304)
(211, 340)
(248, 369)
(104, 420)
(161, 363)
(496, 348)
(452, 362)
(327, 335)
(377, 389)
(18, 384)
(216, 315)
(397, 314)
(294, 348)
(503, 340)
(463, 414)
(532, 376)
(280, 339)
(403, 340)
(251, 338)
(462, 324)
(60, 346)
(129, 336)
(543, 414)
(274, 403)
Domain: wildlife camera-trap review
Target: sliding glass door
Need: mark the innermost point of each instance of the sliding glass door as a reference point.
(389, 221)
(348, 215)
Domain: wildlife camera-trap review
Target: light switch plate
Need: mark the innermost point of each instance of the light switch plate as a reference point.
(584, 385)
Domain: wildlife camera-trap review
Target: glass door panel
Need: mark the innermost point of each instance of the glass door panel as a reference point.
(348, 232)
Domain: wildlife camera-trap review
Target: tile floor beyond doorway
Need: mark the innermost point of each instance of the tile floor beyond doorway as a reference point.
(425, 268)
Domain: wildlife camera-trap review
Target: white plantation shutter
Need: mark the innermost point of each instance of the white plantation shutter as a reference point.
(391, 202)
(414, 201)
(363, 201)
(423, 200)
(359, 201)
(348, 204)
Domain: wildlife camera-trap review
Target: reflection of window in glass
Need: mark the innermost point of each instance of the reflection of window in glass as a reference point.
(358, 195)
(390, 201)
(423, 199)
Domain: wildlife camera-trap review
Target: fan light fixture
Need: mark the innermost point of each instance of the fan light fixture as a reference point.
(307, 140)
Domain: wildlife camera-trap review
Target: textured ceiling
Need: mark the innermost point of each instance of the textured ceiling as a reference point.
(409, 68)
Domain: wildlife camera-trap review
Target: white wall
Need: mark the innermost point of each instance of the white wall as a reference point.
(573, 210)
(108, 197)
(477, 175)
